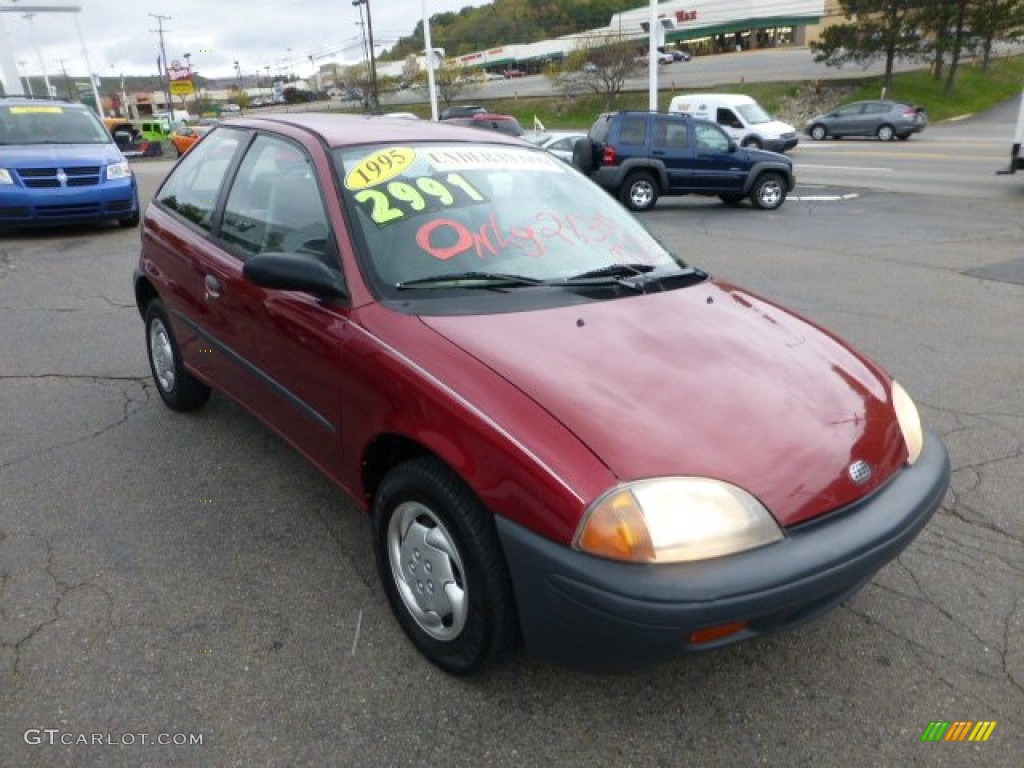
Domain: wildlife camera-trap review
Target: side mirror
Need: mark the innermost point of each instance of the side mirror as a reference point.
(292, 272)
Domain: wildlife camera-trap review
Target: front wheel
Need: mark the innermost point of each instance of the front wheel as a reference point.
(442, 568)
(752, 142)
(768, 192)
(640, 192)
(130, 222)
(179, 390)
(885, 133)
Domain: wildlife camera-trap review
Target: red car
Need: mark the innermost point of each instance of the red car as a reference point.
(566, 436)
(511, 73)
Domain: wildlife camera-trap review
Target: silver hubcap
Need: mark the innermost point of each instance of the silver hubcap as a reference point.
(770, 194)
(885, 134)
(162, 355)
(641, 193)
(428, 570)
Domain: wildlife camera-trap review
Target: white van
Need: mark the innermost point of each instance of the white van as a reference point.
(741, 117)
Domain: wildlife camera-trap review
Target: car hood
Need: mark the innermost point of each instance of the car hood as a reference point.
(63, 155)
(707, 381)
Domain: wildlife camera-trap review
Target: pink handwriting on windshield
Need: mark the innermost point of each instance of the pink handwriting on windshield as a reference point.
(445, 238)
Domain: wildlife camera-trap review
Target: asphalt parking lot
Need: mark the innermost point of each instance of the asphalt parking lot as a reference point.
(186, 590)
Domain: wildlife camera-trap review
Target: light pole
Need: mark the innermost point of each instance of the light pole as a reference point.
(374, 102)
(28, 80)
(188, 65)
(42, 65)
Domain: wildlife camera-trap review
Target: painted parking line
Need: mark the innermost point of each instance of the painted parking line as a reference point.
(823, 198)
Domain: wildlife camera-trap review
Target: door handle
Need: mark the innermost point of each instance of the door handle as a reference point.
(213, 287)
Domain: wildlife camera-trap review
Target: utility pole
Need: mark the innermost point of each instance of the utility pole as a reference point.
(374, 96)
(163, 58)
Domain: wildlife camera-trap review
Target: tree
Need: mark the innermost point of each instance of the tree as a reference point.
(992, 20)
(876, 29)
(600, 63)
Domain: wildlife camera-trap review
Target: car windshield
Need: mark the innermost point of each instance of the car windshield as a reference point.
(50, 124)
(426, 211)
(753, 114)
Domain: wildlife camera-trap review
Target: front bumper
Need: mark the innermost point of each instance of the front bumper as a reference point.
(591, 613)
(783, 144)
(20, 207)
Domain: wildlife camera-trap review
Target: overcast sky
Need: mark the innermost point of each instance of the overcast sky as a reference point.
(120, 35)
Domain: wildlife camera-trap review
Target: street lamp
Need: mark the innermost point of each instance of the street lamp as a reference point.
(28, 80)
(373, 64)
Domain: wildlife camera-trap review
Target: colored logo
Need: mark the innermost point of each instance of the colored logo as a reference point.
(958, 730)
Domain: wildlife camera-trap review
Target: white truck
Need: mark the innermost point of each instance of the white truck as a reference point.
(1017, 150)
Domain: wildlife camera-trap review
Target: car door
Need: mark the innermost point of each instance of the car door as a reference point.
(716, 167)
(874, 115)
(848, 120)
(285, 347)
(673, 146)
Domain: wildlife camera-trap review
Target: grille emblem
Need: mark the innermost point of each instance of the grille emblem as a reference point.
(859, 472)
(62, 178)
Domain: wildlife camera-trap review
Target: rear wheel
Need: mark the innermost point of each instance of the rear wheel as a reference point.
(179, 390)
(903, 136)
(818, 132)
(885, 133)
(639, 192)
(768, 192)
(442, 568)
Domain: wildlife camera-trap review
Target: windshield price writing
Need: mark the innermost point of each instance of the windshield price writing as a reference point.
(399, 199)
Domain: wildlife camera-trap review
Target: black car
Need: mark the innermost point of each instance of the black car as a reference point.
(886, 120)
(462, 110)
(640, 156)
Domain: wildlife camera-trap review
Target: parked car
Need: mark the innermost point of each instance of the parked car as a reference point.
(564, 434)
(492, 122)
(558, 143)
(60, 165)
(462, 110)
(887, 120)
(513, 73)
(130, 140)
(640, 156)
(185, 136)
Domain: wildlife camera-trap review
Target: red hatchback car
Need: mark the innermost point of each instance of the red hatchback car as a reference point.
(566, 437)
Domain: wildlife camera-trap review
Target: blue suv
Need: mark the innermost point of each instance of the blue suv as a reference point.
(639, 156)
(59, 165)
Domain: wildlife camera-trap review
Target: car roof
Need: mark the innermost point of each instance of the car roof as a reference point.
(351, 130)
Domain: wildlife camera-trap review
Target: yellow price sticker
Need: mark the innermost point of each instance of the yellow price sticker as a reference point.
(36, 110)
(381, 166)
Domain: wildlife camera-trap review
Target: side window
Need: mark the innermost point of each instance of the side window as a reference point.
(192, 188)
(875, 109)
(275, 203)
(727, 117)
(670, 134)
(634, 130)
(850, 111)
(710, 138)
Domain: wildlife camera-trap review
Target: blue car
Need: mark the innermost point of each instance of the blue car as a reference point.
(59, 165)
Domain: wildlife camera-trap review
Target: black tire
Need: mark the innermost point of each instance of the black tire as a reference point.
(731, 199)
(752, 142)
(903, 136)
(818, 132)
(768, 192)
(429, 528)
(583, 156)
(639, 192)
(179, 390)
(132, 221)
(885, 132)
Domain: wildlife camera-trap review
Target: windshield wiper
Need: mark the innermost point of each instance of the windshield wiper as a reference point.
(489, 279)
(614, 270)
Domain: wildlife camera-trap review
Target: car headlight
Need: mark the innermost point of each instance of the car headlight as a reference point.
(119, 171)
(5, 176)
(910, 422)
(674, 520)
